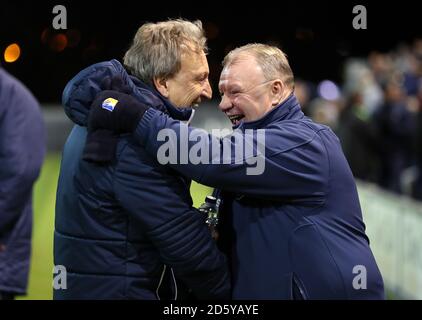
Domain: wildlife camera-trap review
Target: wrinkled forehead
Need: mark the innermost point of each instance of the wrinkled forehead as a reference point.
(243, 70)
(194, 61)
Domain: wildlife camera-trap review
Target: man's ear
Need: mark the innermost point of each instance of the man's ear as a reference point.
(277, 91)
(161, 85)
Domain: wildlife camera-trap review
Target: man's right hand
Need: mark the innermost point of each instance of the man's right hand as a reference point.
(115, 111)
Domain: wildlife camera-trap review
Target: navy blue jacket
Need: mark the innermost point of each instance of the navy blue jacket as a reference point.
(22, 149)
(297, 228)
(128, 230)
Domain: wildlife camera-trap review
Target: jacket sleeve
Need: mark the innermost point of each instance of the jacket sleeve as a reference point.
(159, 198)
(289, 162)
(21, 150)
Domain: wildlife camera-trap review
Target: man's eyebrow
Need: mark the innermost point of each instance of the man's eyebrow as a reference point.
(203, 74)
(229, 84)
(235, 86)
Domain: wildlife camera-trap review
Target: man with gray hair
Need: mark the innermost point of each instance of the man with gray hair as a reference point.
(125, 227)
(295, 229)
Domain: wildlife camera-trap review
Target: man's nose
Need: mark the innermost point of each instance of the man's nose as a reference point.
(207, 91)
(225, 104)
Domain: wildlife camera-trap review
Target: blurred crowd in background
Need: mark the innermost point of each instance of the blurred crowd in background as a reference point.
(377, 114)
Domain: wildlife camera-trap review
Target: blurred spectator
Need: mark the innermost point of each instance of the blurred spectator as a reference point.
(324, 112)
(303, 95)
(396, 128)
(359, 78)
(358, 138)
(382, 67)
(21, 154)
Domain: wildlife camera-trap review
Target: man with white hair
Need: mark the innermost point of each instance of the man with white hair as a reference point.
(125, 227)
(293, 230)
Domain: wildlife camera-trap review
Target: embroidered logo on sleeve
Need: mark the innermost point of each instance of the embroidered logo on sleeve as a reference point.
(109, 104)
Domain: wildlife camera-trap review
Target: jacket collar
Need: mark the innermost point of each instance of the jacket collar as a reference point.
(287, 110)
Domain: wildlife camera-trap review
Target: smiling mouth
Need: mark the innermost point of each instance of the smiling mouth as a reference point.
(236, 118)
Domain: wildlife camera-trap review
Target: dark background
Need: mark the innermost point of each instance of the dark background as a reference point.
(317, 36)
